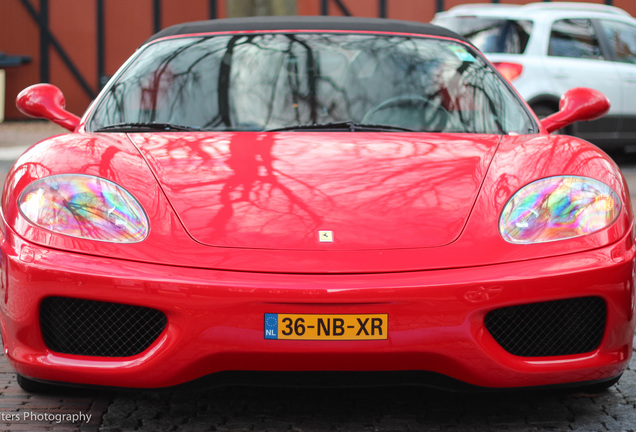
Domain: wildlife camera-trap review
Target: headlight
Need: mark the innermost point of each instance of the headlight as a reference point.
(84, 206)
(558, 208)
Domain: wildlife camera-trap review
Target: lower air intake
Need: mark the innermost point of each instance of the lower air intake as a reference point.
(554, 328)
(94, 328)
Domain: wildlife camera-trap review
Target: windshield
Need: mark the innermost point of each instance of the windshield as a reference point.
(261, 82)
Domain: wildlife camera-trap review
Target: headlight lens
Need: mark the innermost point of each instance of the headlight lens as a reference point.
(86, 207)
(558, 208)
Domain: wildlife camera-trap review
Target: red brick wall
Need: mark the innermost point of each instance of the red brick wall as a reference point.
(128, 24)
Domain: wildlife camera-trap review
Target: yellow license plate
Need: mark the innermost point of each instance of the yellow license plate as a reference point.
(326, 327)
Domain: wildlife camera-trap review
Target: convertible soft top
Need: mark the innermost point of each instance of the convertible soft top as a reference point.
(304, 23)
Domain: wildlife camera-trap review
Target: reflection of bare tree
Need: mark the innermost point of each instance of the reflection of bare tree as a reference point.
(238, 173)
(267, 81)
(263, 189)
(534, 158)
(106, 157)
(253, 180)
(32, 169)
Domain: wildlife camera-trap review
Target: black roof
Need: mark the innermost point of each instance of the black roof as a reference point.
(304, 23)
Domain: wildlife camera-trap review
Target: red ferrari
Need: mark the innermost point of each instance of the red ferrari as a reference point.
(315, 200)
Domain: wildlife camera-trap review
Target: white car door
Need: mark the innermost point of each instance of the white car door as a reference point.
(575, 59)
(622, 40)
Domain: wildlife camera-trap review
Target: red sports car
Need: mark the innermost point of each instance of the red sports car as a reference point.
(318, 200)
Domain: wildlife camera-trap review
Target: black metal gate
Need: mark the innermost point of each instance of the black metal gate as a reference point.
(48, 39)
(382, 7)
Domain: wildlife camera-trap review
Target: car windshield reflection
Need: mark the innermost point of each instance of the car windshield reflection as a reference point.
(264, 82)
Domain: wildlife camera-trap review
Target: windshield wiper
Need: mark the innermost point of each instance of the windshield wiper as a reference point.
(344, 125)
(146, 127)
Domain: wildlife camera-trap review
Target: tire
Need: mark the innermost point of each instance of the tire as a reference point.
(598, 387)
(31, 386)
(543, 110)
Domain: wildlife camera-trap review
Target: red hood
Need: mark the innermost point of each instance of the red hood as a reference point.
(278, 190)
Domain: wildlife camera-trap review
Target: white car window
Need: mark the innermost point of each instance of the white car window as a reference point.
(622, 37)
(574, 38)
(491, 35)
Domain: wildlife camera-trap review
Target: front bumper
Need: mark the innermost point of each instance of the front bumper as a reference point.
(215, 319)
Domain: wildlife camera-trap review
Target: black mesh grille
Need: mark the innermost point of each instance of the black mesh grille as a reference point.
(94, 328)
(561, 327)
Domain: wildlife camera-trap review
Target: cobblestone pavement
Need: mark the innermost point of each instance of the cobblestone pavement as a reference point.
(310, 410)
(21, 411)
(276, 409)
(375, 409)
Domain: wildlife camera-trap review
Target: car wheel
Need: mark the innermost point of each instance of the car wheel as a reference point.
(598, 387)
(543, 110)
(32, 386)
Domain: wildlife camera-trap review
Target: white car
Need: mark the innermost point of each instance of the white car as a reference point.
(547, 48)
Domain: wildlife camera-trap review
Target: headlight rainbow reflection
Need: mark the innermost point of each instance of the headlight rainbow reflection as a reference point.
(558, 208)
(86, 207)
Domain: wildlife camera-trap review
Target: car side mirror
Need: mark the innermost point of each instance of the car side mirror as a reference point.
(46, 101)
(577, 104)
